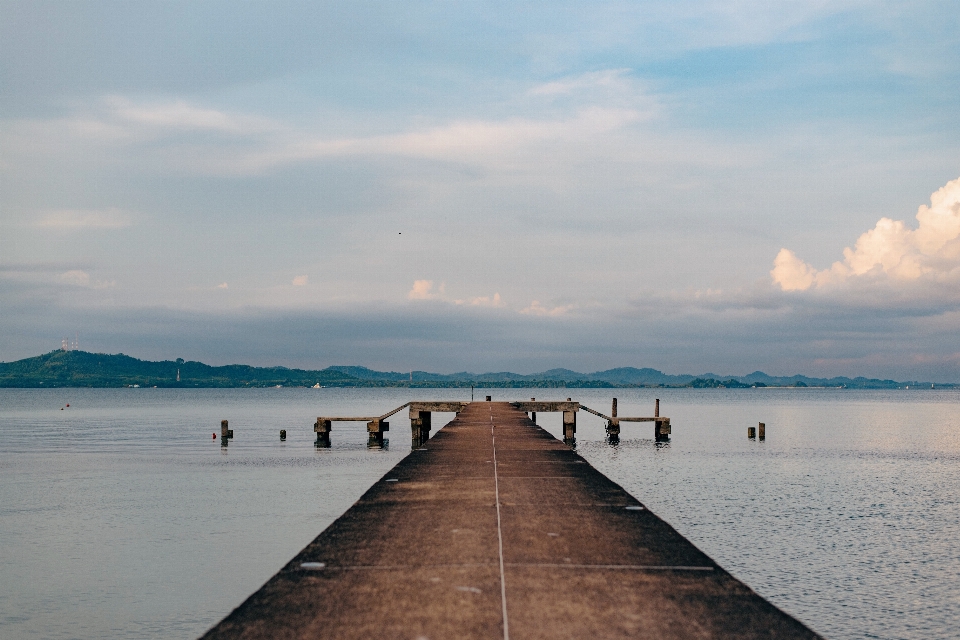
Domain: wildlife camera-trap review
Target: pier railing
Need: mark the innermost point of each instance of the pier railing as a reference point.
(421, 419)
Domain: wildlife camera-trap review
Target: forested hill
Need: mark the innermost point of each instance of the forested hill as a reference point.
(82, 369)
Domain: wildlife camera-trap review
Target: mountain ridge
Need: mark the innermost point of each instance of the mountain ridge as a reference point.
(84, 369)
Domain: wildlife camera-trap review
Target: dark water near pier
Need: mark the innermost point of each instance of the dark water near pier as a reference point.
(120, 517)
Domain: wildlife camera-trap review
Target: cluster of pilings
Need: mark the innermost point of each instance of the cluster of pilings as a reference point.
(661, 425)
(421, 421)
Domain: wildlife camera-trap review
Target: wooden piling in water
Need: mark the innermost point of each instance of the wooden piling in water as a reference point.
(613, 424)
(569, 426)
(322, 427)
(419, 426)
(226, 434)
(751, 432)
(375, 430)
(762, 431)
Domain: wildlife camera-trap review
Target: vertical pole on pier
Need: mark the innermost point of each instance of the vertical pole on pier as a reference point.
(569, 426)
(224, 432)
(613, 424)
(661, 428)
(762, 431)
(533, 414)
(323, 427)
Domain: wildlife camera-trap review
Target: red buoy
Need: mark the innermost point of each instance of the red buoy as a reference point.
(214, 435)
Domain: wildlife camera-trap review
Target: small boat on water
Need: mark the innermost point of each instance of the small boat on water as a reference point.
(317, 386)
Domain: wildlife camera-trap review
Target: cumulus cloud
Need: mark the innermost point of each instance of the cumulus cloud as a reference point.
(299, 281)
(423, 290)
(890, 251)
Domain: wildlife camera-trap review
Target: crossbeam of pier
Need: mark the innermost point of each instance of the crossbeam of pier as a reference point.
(494, 529)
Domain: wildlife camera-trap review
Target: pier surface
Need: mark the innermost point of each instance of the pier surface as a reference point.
(495, 529)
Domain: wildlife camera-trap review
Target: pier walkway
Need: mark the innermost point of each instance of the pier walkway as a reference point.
(495, 529)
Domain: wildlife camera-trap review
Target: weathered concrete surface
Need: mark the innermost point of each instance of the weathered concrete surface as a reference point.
(432, 556)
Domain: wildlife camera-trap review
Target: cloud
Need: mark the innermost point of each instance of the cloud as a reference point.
(537, 309)
(423, 290)
(608, 88)
(890, 253)
(76, 277)
(483, 301)
(299, 281)
(223, 285)
(467, 141)
(90, 219)
(182, 115)
(80, 278)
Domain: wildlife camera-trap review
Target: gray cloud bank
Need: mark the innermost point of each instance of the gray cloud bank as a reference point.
(761, 328)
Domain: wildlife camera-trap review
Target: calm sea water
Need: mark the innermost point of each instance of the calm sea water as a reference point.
(121, 517)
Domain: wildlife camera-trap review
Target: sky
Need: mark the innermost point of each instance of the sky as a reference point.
(485, 186)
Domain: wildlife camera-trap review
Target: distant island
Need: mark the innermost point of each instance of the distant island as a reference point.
(72, 368)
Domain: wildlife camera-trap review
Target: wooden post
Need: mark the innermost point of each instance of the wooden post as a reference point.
(613, 425)
(656, 408)
(283, 434)
(323, 427)
(661, 429)
(762, 431)
(225, 433)
(751, 432)
(569, 426)
(533, 414)
(489, 398)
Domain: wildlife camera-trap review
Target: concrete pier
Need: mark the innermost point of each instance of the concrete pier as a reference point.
(495, 529)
